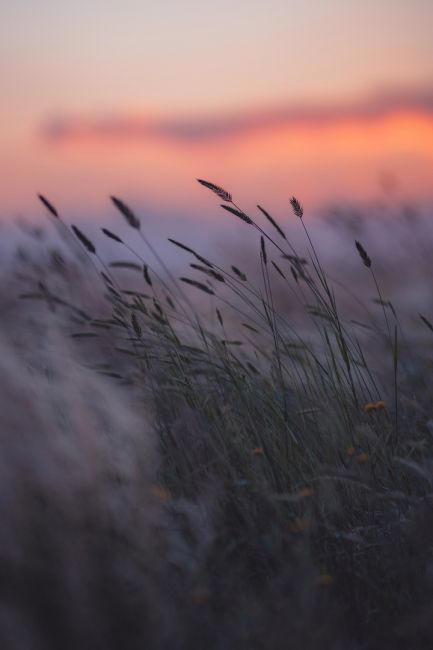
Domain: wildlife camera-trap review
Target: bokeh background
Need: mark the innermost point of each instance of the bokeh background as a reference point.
(329, 100)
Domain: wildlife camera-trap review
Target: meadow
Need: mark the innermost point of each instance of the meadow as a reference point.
(229, 457)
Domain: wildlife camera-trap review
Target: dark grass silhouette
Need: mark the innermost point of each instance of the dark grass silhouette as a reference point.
(183, 467)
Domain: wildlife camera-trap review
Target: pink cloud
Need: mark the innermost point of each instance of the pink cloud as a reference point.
(205, 128)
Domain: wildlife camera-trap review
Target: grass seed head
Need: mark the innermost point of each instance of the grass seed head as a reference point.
(238, 213)
(111, 235)
(198, 285)
(219, 191)
(126, 211)
(297, 207)
(146, 275)
(363, 254)
(84, 240)
(295, 275)
(49, 206)
(198, 257)
(239, 273)
(263, 250)
(213, 274)
(272, 221)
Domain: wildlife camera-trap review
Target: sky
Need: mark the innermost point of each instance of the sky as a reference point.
(321, 99)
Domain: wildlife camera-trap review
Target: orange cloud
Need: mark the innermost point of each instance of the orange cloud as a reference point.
(321, 154)
(206, 129)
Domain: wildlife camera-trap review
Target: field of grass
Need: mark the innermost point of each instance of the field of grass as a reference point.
(190, 464)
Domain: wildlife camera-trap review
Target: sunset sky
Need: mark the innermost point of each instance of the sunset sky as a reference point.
(316, 98)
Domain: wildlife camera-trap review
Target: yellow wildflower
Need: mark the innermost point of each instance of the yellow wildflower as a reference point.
(306, 492)
(374, 406)
(200, 595)
(160, 493)
(325, 580)
(299, 524)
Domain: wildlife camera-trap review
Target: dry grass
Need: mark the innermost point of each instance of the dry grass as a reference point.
(214, 476)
